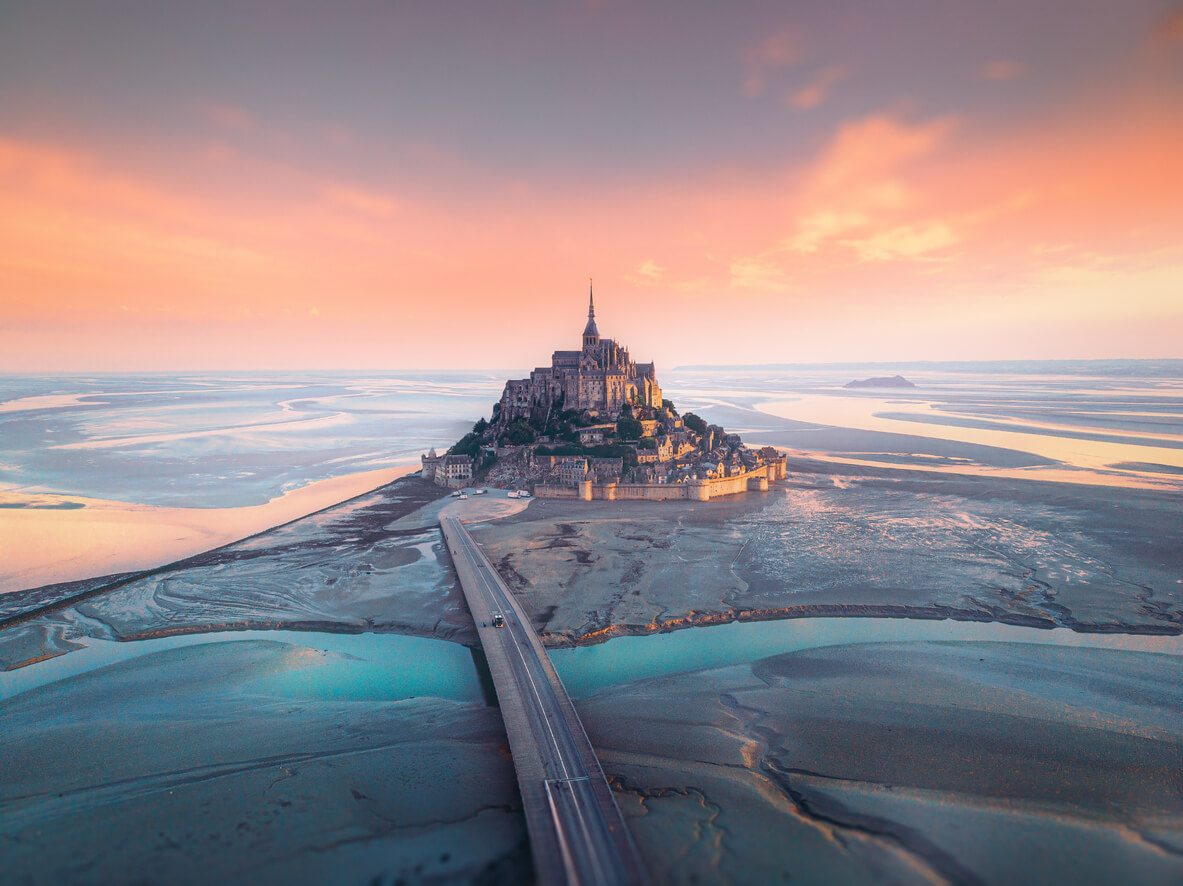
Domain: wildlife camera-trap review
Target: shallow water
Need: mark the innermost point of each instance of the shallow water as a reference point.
(586, 670)
(378, 666)
(224, 440)
(1082, 422)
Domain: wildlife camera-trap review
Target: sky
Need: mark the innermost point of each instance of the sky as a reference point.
(382, 185)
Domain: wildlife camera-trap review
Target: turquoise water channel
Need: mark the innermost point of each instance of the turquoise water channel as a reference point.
(380, 667)
(587, 670)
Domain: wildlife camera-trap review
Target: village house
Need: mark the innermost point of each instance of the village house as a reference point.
(606, 470)
(594, 434)
(453, 470)
(572, 471)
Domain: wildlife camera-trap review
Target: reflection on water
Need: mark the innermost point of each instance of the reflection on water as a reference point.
(224, 440)
(1097, 457)
(369, 666)
(586, 670)
(1113, 423)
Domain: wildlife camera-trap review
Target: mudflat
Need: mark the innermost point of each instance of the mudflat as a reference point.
(862, 543)
(371, 564)
(903, 762)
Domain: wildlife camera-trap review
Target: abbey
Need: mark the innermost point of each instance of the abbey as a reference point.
(600, 378)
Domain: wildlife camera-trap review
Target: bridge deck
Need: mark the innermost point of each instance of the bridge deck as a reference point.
(577, 834)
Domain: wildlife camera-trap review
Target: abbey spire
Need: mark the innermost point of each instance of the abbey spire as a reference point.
(591, 335)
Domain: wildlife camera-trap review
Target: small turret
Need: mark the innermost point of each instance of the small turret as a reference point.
(591, 335)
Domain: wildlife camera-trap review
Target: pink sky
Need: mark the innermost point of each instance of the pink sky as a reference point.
(415, 190)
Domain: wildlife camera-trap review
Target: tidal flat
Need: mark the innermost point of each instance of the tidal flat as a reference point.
(903, 760)
(917, 762)
(371, 564)
(856, 541)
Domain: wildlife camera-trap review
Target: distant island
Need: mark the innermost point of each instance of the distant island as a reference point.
(594, 425)
(885, 381)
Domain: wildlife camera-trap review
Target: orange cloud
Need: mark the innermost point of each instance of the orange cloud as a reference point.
(859, 181)
(978, 231)
(776, 51)
(907, 242)
(817, 90)
(228, 117)
(1001, 70)
(359, 200)
(1168, 30)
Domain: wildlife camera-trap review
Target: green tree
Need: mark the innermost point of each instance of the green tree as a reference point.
(480, 426)
(695, 423)
(469, 444)
(628, 428)
(519, 433)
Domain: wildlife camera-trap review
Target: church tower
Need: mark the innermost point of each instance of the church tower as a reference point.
(591, 335)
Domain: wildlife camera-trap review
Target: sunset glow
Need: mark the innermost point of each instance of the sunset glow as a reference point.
(381, 188)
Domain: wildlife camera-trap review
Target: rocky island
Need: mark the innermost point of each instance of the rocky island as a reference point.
(594, 425)
(882, 381)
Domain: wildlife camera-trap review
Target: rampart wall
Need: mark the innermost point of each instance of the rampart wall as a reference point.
(692, 490)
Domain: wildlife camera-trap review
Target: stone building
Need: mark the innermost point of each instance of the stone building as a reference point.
(430, 463)
(600, 378)
(453, 470)
(572, 471)
(606, 470)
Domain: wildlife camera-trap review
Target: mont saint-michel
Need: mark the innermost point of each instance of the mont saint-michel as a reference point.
(594, 425)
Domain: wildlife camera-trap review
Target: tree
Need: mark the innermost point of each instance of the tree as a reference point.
(469, 444)
(628, 428)
(519, 433)
(695, 423)
(480, 426)
(669, 404)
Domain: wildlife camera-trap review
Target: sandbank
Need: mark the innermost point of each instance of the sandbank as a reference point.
(45, 539)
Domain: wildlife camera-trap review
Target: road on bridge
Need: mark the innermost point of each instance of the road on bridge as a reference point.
(577, 834)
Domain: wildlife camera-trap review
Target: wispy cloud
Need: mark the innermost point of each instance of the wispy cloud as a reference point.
(228, 117)
(859, 184)
(1001, 69)
(359, 200)
(757, 275)
(817, 90)
(917, 241)
(776, 51)
(1168, 30)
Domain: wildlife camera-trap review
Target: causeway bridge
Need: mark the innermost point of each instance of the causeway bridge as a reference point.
(577, 835)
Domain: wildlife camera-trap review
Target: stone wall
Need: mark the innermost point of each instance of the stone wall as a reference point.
(693, 490)
(544, 491)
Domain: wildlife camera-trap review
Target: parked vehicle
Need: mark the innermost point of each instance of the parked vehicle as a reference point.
(512, 494)
(463, 495)
(456, 494)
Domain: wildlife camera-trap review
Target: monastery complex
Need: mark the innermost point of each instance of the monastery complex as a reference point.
(594, 425)
(600, 379)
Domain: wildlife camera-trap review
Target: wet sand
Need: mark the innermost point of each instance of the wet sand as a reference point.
(856, 542)
(370, 564)
(903, 762)
(48, 539)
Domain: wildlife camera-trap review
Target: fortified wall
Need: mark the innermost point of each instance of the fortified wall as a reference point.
(691, 490)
